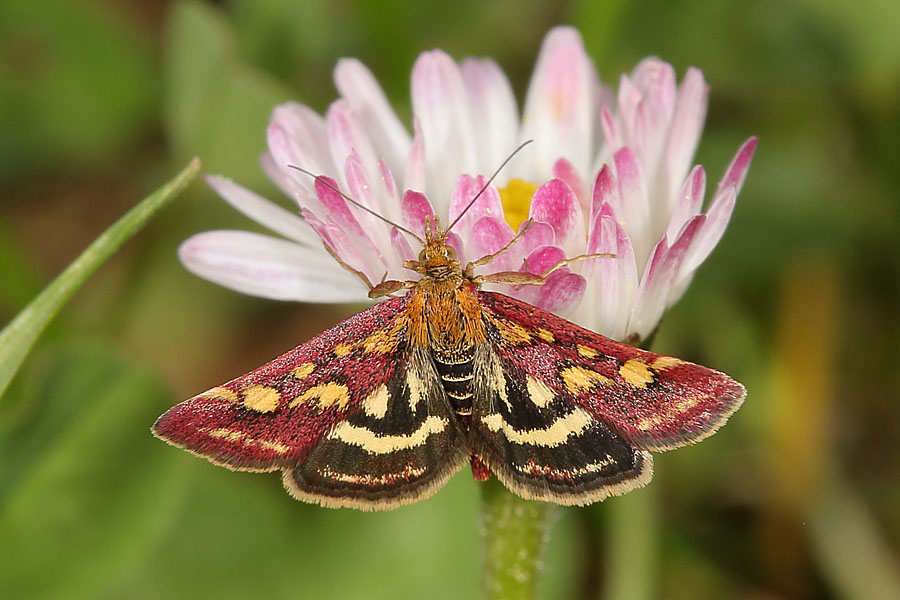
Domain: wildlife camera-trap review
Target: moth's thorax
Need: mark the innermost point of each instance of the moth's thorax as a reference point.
(446, 317)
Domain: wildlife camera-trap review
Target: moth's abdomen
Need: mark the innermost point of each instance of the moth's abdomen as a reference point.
(456, 371)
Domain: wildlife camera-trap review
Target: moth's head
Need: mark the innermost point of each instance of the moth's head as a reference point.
(437, 259)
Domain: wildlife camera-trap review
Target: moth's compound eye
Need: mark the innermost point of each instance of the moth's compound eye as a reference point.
(450, 252)
(422, 256)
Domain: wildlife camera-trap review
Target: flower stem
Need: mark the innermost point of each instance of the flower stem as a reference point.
(515, 533)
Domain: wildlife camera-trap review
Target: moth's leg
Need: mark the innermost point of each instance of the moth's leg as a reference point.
(567, 261)
(360, 274)
(520, 278)
(386, 288)
(510, 278)
(487, 259)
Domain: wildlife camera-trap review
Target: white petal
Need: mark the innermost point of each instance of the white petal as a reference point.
(263, 211)
(346, 137)
(684, 133)
(441, 104)
(357, 84)
(269, 267)
(297, 136)
(495, 116)
(560, 105)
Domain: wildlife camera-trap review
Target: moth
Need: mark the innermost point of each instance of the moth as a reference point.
(382, 409)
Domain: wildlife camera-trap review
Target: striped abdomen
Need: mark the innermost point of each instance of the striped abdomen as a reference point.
(457, 372)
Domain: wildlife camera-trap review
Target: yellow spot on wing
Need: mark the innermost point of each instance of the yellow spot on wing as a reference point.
(276, 447)
(578, 379)
(587, 352)
(374, 443)
(220, 393)
(261, 398)
(303, 371)
(678, 407)
(556, 434)
(325, 394)
(513, 333)
(234, 435)
(539, 393)
(342, 349)
(636, 373)
(230, 435)
(497, 382)
(665, 362)
(376, 404)
(382, 341)
(546, 335)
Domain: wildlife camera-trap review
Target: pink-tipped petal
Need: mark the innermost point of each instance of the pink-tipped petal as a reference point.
(606, 191)
(357, 84)
(364, 191)
(555, 204)
(561, 292)
(737, 170)
(611, 134)
(717, 218)
(660, 276)
(346, 136)
(487, 236)
(455, 242)
(487, 205)
(337, 243)
(540, 260)
(633, 210)
(387, 179)
(655, 83)
(563, 170)
(684, 133)
(560, 104)
(414, 207)
(492, 106)
(401, 247)
(440, 103)
(352, 238)
(538, 234)
(689, 202)
(269, 267)
(262, 211)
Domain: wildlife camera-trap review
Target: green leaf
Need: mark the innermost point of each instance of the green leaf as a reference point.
(19, 336)
(92, 494)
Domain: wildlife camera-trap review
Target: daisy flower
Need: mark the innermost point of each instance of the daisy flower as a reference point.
(606, 173)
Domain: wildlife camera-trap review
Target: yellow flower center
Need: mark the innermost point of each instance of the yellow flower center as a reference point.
(516, 200)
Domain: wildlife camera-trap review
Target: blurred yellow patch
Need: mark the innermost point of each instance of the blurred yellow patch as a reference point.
(516, 200)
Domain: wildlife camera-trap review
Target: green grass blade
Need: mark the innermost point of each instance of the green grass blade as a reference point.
(19, 336)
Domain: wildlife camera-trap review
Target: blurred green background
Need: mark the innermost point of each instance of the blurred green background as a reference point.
(101, 101)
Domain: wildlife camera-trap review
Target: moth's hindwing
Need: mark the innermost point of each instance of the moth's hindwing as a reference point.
(400, 448)
(567, 415)
(347, 416)
(544, 446)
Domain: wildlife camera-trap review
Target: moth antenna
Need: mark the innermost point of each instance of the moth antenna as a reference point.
(357, 204)
(485, 186)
